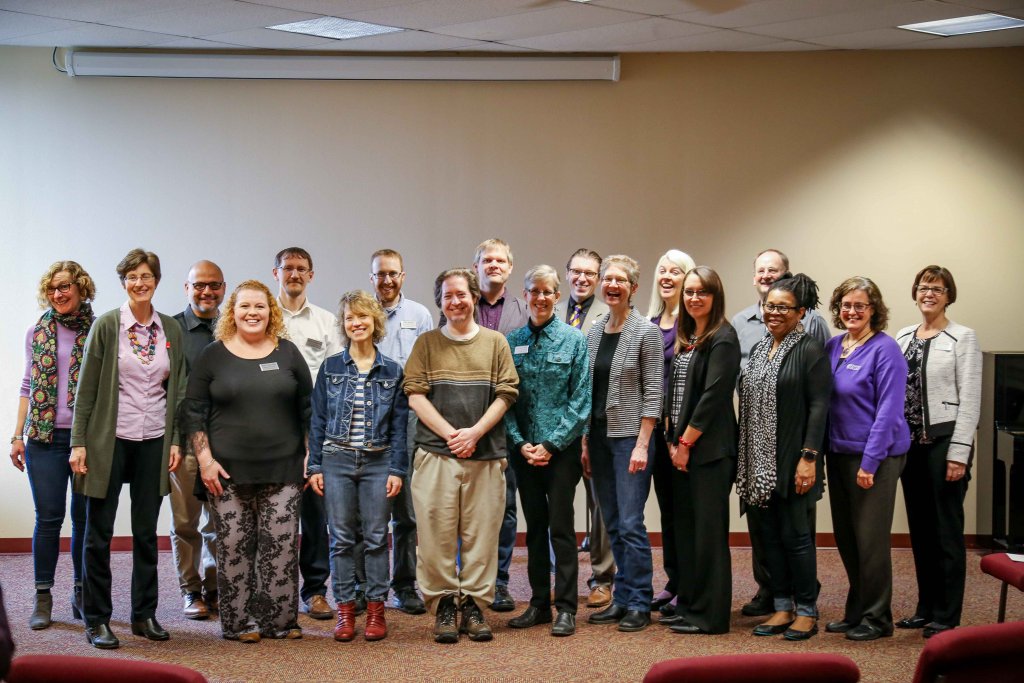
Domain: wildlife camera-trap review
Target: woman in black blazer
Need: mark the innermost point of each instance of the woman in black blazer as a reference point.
(703, 449)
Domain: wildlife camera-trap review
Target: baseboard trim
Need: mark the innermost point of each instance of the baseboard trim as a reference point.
(737, 539)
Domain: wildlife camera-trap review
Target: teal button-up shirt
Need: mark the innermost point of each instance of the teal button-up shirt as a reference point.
(554, 385)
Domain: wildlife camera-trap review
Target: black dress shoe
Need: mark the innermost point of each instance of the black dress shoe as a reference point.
(531, 617)
(912, 622)
(612, 614)
(686, 628)
(634, 620)
(935, 627)
(771, 629)
(668, 620)
(865, 632)
(102, 637)
(838, 626)
(503, 601)
(565, 624)
(667, 609)
(407, 600)
(793, 634)
(658, 603)
(760, 606)
(150, 628)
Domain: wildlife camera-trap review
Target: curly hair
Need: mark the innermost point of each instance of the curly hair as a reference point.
(226, 328)
(360, 301)
(879, 311)
(802, 287)
(86, 287)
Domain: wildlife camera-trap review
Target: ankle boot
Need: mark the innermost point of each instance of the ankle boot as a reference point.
(376, 626)
(41, 611)
(345, 629)
(76, 601)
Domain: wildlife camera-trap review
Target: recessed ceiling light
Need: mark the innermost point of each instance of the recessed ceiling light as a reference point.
(958, 26)
(333, 27)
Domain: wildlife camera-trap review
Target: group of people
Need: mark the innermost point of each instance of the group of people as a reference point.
(269, 415)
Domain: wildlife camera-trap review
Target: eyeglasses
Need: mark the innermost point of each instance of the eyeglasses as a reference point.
(212, 286)
(384, 276)
(63, 288)
(301, 270)
(615, 281)
(929, 289)
(858, 306)
(696, 293)
(589, 274)
(540, 292)
(778, 308)
(145, 277)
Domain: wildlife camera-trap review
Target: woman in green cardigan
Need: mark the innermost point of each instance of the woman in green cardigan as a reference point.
(132, 379)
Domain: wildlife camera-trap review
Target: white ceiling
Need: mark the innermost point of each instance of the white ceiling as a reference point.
(503, 25)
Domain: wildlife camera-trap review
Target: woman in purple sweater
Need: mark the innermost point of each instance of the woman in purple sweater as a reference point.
(868, 437)
(42, 433)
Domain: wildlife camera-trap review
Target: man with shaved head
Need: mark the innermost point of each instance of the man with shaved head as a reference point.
(193, 537)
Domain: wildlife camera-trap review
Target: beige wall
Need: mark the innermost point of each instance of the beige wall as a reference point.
(870, 163)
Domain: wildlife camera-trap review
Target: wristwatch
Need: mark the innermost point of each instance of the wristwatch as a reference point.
(808, 455)
(17, 437)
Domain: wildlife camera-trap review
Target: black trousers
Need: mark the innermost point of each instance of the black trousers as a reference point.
(789, 552)
(760, 565)
(662, 475)
(702, 544)
(314, 547)
(862, 523)
(547, 495)
(137, 463)
(935, 514)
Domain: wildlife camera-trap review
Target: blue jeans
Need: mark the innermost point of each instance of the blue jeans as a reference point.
(355, 496)
(509, 526)
(48, 476)
(622, 497)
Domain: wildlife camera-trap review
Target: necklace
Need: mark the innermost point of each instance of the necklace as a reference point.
(848, 348)
(145, 354)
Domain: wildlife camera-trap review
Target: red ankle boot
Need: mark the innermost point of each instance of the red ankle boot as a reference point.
(376, 627)
(345, 629)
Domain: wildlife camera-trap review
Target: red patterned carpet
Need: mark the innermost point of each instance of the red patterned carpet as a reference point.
(595, 653)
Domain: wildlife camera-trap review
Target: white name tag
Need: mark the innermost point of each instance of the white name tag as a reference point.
(521, 349)
(408, 325)
(266, 367)
(314, 343)
(853, 367)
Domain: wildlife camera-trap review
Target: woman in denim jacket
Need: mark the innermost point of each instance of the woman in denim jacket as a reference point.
(358, 457)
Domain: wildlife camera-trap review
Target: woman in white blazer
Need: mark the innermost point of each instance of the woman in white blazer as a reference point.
(942, 410)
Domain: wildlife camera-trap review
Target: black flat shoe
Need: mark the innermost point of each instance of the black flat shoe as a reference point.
(688, 629)
(102, 637)
(151, 629)
(865, 632)
(912, 622)
(671, 619)
(612, 614)
(565, 624)
(531, 617)
(771, 629)
(634, 620)
(793, 634)
(838, 626)
(934, 628)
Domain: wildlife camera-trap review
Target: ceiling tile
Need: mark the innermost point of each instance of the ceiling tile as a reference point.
(877, 39)
(571, 16)
(95, 10)
(484, 46)
(888, 16)
(331, 8)
(659, 7)
(220, 16)
(405, 41)
(14, 24)
(434, 13)
(198, 44)
(713, 41)
(775, 11)
(784, 46)
(94, 35)
(267, 39)
(597, 39)
(1008, 7)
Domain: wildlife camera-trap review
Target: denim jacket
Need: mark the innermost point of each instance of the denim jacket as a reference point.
(387, 410)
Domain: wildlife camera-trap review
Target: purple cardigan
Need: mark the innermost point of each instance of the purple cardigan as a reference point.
(868, 392)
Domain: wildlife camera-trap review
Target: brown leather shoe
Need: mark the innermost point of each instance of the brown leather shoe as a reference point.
(600, 596)
(345, 629)
(376, 626)
(195, 607)
(318, 608)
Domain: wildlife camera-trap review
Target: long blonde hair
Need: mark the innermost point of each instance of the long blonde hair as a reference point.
(678, 258)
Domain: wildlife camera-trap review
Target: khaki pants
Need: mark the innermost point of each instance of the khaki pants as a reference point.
(457, 498)
(193, 536)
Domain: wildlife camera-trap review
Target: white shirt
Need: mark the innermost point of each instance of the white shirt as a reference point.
(315, 331)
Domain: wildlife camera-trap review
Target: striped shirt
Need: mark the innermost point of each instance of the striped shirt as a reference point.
(357, 426)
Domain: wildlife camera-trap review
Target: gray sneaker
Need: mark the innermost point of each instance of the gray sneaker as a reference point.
(473, 623)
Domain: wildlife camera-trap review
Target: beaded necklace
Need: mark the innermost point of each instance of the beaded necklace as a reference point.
(145, 354)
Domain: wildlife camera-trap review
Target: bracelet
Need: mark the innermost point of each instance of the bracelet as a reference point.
(203, 467)
(17, 437)
(684, 442)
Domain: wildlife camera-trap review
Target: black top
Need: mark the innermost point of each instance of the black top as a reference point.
(255, 412)
(602, 372)
(198, 334)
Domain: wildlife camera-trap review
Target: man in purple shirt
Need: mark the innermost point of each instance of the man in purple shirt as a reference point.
(504, 312)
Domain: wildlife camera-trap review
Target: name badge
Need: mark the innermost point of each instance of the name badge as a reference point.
(853, 367)
(408, 325)
(522, 349)
(267, 367)
(314, 343)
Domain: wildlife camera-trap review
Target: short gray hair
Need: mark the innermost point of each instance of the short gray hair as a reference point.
(541, 272)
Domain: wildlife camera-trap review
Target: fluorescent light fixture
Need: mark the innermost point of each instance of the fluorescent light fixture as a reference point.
(343, 67)
(333, 27)
(958, 26)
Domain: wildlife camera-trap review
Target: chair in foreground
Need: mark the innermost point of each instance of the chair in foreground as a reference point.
(38, 668)
(759, 668)
(975, 653)
(1006, 570)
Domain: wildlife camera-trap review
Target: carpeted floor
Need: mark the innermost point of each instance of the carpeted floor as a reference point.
(595, 653)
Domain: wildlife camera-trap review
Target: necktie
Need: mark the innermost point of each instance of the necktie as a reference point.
(576, 319)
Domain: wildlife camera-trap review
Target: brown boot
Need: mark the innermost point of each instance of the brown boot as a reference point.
(345, 629)
(376, 626)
